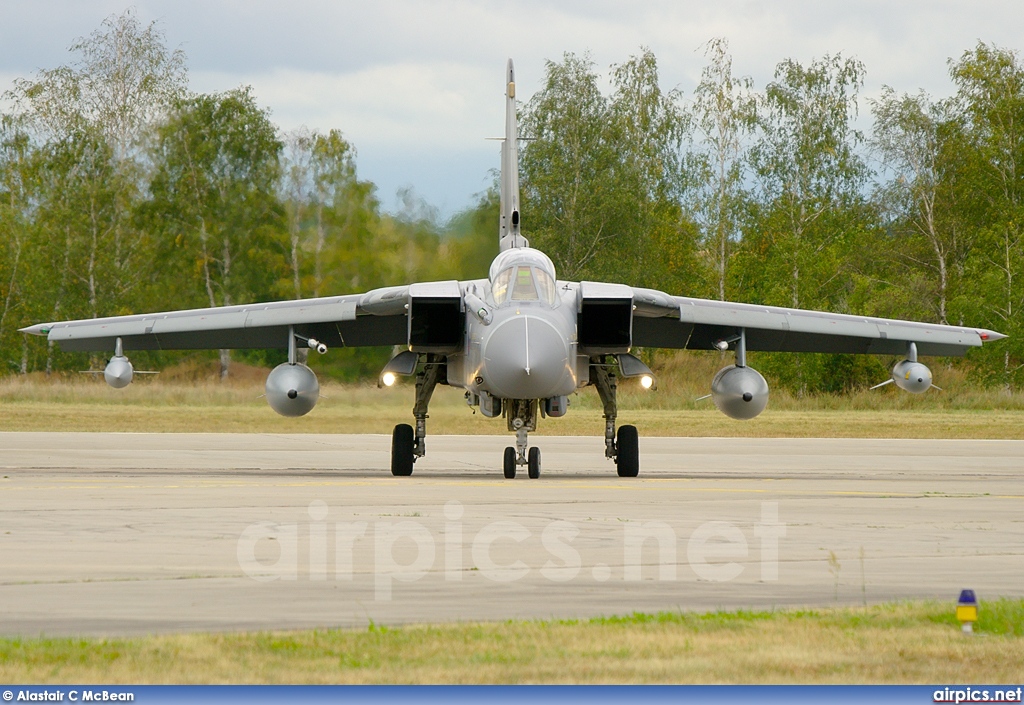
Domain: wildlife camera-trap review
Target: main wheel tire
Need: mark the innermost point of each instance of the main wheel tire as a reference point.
(533, 463)
(509, 462)
(628, 458)
(402, 443)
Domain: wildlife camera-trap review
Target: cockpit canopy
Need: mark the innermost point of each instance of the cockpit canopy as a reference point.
(521, 275)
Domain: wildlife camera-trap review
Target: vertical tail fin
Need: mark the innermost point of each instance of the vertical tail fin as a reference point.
(509, 235)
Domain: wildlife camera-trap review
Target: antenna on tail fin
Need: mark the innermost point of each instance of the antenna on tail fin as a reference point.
(509, 235)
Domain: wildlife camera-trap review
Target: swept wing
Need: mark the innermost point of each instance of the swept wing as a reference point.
(665, 321)
(377, 317)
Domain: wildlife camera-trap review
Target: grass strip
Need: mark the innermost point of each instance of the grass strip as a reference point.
(907, 642)
(452, 419)
(79, 403)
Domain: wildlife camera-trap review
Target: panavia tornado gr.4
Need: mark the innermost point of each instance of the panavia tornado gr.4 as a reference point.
(519, 342)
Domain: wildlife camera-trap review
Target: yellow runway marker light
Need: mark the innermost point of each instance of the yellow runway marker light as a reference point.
(967, 610)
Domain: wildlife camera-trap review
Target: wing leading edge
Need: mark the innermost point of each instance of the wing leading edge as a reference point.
(378, 317)
(665, 321)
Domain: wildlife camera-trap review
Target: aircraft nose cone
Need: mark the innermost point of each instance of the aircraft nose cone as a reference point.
(525, 358)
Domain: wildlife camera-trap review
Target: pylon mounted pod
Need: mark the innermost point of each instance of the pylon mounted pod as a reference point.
(912, 377)
(292, 389)
(119, 371)
(739, 392)
(909, 374)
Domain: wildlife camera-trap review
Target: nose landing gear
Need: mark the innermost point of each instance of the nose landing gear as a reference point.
(522, 418)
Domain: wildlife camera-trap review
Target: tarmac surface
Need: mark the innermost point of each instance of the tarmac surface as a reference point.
(113, 534)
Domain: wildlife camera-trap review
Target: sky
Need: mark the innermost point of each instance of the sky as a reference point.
(417, 87)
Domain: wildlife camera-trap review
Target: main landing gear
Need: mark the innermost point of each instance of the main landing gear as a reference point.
(623, 448)
(406, 444)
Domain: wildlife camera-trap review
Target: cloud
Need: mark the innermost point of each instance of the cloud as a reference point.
(402, 104)
(414, 82)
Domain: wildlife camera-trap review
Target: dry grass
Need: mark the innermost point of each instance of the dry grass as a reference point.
(185, 405)
(901, 643)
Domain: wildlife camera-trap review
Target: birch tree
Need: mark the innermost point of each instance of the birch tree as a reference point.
(722, 110)
(104, 103)
(214, 198)
(989, 106)
(806, 162)
(918, 150)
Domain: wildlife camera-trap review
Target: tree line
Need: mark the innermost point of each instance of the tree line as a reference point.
(777, 196)
(121, 191)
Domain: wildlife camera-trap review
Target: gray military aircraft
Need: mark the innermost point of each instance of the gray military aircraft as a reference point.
(519, 342)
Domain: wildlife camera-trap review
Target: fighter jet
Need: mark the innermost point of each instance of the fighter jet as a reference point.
(519, 342)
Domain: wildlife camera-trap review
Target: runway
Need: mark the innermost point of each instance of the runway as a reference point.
(109, 534)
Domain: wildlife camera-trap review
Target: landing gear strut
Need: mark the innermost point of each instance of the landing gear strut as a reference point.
(625, 448)
(407, 444)
(522, 418)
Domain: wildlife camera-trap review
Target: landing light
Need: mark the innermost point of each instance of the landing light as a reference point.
(388, 378)
(647, 382)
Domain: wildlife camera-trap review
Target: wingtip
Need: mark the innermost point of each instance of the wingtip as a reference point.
(38, 329)
(990, 335)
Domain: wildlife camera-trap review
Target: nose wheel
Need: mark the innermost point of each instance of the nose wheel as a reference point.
(510, 463)
(514, 457)
(522, 418)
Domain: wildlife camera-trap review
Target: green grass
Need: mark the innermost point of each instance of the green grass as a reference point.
(914, 642)
(182, 406)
